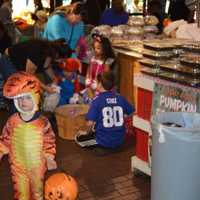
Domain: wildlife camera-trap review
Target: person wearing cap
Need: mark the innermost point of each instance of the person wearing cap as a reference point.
(66, 23)
(67, 82)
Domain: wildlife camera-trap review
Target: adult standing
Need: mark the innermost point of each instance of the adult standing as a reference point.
(115, 15)
(5, 39)
(93, 12)
(6, 12)
(178, 10)
(191, 5)
(66, 23)
(104, 4)
(91, 16)
(155, 7)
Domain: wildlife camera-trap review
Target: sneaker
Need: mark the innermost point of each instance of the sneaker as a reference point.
(86, 140)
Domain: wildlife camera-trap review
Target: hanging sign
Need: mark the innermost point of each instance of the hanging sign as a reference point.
(174, 99)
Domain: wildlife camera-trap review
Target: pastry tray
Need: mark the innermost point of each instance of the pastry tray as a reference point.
(178, 68)
(148, 62)
(158, 46)
(157, 55)
(133, 48)
(180, 79)
(193, 47)
(191, 60)
(149, 71)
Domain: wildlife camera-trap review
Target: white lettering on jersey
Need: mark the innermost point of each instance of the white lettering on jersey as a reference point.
(112, 116)
(111, 100)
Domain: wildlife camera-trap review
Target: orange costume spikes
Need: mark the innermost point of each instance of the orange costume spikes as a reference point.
(27, 138)
(20, 83)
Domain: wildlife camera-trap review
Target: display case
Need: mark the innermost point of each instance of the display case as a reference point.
(172, 85)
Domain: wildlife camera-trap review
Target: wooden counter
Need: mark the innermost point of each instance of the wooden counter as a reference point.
(128, 66)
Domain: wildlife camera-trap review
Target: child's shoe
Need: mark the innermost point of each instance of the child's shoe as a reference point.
(85, 139)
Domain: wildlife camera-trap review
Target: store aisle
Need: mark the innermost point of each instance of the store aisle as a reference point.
(99, 178)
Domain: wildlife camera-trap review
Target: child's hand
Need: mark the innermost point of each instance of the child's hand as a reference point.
(51, 163)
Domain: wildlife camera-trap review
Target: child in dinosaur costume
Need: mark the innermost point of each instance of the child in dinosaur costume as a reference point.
(27, 138)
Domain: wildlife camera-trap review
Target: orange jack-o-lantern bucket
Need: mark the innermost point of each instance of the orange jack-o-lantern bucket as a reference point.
(60, 186)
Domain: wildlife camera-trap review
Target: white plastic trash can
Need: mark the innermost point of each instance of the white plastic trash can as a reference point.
(175, 156)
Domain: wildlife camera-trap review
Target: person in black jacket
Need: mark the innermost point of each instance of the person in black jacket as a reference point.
(178, 10)
(33, 56)
(104, 4)
(5, 40)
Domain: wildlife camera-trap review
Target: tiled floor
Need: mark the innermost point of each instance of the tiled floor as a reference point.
(99, 178)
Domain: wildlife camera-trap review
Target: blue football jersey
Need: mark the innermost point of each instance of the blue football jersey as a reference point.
(108, 110)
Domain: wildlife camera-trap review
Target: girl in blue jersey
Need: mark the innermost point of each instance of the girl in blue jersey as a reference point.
(106, 114)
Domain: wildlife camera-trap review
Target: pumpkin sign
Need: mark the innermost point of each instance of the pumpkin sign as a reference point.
(60, 186)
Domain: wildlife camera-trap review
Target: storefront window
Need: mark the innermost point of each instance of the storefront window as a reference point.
(24, 6)
(134, 6)
(66, 2)
(46, 3)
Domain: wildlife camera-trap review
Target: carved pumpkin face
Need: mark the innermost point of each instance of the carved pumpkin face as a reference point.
(60, 187)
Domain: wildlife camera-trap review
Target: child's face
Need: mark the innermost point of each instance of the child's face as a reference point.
(68, 75)
(98, 51)
(25, 103)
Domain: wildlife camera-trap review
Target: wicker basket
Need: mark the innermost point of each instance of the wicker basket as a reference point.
(70, 119)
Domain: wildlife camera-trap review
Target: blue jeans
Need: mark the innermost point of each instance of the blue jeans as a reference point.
(6, 67)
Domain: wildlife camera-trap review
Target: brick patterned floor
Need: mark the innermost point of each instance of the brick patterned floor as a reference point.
(99, 178)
